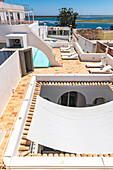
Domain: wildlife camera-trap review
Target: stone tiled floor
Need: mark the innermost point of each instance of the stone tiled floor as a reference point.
(10, 114)
(69, 66)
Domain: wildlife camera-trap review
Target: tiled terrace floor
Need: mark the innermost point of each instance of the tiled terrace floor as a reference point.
(69, 66)
(10, 114)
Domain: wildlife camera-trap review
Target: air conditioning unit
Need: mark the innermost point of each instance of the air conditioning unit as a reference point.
(16, 40)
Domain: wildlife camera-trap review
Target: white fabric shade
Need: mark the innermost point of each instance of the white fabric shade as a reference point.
(73, 130)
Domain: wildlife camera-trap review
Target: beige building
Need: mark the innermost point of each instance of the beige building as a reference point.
(105, 35)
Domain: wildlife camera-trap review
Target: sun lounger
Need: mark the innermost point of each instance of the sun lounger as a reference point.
(68, 53)
(94, 65)
(65, 48)
(106, 69)
(70, 57)
(97, 65)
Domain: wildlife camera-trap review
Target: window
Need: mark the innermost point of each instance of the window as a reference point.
(54, 32)
(18, 15)
(11, 14)
(49, 32)
(60, 32)
(7, 16)
(99, 101)
(66, 32)
(72, 99)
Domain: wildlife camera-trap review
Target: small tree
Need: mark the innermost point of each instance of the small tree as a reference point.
(67, 17)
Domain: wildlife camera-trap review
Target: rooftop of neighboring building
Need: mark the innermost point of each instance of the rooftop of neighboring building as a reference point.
(95, 34)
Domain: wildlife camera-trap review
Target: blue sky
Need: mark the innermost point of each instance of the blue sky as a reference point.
(83, 7)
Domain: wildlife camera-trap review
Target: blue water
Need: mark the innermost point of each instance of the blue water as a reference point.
(93, 25)
(52, 22)
(40, 59)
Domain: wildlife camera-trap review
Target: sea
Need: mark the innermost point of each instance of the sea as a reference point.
(53, 22)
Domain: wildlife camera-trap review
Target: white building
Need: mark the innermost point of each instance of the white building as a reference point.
(19, 36)
(12, 14)
(55, 141)
(59, 32)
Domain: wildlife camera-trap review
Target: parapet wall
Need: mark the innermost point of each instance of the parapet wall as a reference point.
(10, 75)
(102, 47)
(87, 56)
(87, 45)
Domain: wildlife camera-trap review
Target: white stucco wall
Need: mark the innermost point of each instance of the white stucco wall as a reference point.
(43, 32)
(14, 142)
(86, 45)
(15, 16)
(3, 16)
(12, 7)
(35, 27)
(39, 30)
(59, 44)
(109, 60)
(34, 50)
(32, 40)
(74, 77)
(92, 56)
(90, 92)
(10, 74)
(22, 16)
(21, 37)
(63, 37)
(87, 56)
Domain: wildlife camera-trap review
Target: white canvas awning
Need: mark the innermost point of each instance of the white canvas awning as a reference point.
(73, 130)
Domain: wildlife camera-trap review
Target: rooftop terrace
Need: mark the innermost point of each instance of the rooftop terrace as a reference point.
(10, 114)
